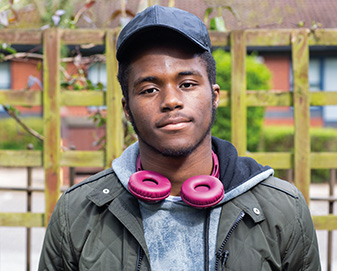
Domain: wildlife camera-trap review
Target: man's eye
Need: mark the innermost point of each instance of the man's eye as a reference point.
(149, 91)
(187, 85)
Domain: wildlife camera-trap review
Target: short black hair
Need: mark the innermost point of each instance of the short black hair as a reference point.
(162, 38)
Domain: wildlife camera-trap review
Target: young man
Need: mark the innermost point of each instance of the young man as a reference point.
(178, 199)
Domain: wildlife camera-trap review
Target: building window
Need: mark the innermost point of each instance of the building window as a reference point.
(5, 78)
(97, 74)
(322, 76)
(330, 84)
(315, 78)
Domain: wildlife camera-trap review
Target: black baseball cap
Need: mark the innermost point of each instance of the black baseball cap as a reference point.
(156, 18)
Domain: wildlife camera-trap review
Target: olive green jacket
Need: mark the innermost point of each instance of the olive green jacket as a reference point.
(97, 225)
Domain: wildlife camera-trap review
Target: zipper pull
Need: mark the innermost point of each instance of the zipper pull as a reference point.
(224, 259)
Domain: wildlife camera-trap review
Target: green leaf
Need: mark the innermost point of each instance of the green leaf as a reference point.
(212, 25)
(65, 84)
(100, 86)
(89, 84)
(10, 50)
(13, 110)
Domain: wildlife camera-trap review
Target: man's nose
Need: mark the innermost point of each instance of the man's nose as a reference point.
(172, 99)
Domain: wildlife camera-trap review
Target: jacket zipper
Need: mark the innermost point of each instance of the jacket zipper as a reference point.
(140, 257)
(223, 255)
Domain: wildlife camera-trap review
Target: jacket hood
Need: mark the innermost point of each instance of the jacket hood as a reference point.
(238, 174)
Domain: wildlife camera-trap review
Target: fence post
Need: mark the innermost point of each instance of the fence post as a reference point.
(51, 118)
(72, 172)
(300, 61)
(332, 182)
(114, 125)
(238, 91)
(29, 209)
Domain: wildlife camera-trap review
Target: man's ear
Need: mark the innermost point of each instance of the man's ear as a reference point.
(216, 90)
(126, 109)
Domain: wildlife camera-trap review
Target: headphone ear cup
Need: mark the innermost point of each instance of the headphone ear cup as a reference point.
(202, 191)
(149, 186)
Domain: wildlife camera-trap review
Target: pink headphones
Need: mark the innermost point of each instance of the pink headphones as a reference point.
(200, 191)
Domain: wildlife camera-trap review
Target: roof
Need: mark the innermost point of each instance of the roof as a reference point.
(245, 13)
(279, 14)
(250, 13)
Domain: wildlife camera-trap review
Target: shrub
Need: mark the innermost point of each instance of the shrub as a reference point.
(281, 139)
(258, 78)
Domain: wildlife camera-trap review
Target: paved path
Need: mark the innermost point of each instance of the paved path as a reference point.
(12, 240)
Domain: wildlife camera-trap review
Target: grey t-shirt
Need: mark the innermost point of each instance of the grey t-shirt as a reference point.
(175, 235)
(174, 232)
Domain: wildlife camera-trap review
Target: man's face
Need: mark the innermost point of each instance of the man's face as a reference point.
(171, 102)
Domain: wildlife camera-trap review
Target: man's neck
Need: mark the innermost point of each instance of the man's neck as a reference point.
(178, 169)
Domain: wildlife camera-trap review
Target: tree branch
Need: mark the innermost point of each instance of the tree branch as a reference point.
(23, 125)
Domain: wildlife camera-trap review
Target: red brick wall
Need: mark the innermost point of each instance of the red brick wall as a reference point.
(20, 72)
(279, 65)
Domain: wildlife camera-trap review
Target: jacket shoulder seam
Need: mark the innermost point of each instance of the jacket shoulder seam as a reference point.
(280, 188)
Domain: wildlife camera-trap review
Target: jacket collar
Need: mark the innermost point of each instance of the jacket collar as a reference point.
(248, 203)
(106, 189)
(110, 192)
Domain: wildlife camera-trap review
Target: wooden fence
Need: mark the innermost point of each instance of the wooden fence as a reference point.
(52, 158)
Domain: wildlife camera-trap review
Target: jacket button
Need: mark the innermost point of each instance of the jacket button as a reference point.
(106, 191)
(256, 211)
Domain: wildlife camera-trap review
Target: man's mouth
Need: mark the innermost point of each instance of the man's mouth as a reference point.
(173, 123)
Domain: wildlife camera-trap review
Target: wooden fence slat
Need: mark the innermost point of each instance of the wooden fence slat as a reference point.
(323, 160)
(27, 220)
(20, 158)
(325, 37)
(269, 98)
(238, 92)
(254, 37)
(277, 160)
(82, 36)
(300, 61)
(319, 98)
(82, 98)
(82, 159)
(260, 98)
(268, 37)
(224, 98)
(51, 118)
(325, 222)
(114, 127)
(219, 39)
(20, 36)
(281, 98)
(19, 97)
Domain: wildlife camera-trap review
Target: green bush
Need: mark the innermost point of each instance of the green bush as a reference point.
(277, 139)
(281, 139)
(258, 78)
(14, 137)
